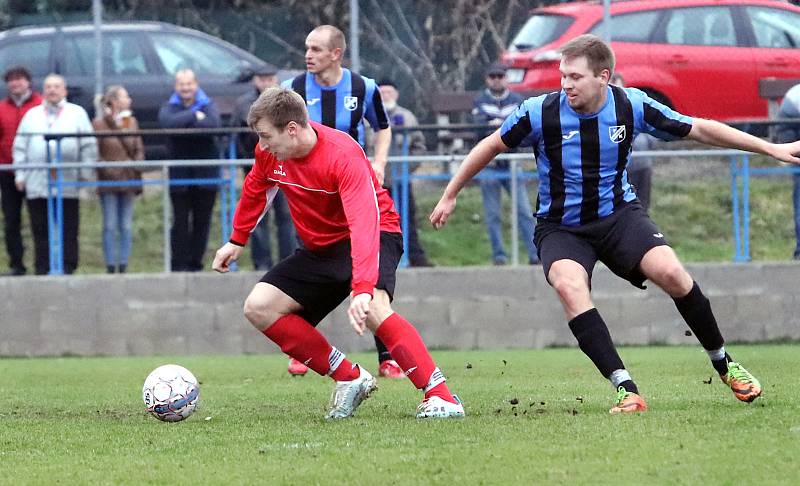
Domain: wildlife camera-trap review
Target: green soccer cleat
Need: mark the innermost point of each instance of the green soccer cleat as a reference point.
(744, 385)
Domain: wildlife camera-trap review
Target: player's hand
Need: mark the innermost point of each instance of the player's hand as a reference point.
(357, 312)
(788, 152)
(226, 255)
(20, 186)
(380, 171)
(444, 208)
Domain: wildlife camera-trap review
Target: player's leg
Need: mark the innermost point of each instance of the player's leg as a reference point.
(568, 260)
(408, 348)
(492, 207)
(662, 267)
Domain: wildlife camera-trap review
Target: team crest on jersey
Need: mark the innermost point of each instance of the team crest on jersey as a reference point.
(350, 103)
(279, 171)
(616, 133)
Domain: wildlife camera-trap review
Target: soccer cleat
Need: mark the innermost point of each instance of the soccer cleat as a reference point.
(628, 402)
(348, 395)
(436, 407)
(297, 368)
(744, 385)
(390, 369)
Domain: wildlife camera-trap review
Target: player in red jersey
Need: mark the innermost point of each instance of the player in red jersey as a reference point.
(351, 246)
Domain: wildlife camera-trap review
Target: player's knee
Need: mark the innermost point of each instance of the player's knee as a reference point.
(674, 279)
(569, 288)
(259, 313)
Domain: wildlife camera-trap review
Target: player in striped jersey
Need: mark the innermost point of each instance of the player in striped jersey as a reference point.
(587, 211)
(339, 98)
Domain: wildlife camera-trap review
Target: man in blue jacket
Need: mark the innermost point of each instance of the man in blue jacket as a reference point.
(192, 204)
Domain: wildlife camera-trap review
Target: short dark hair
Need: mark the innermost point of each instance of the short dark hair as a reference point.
(387, 82)
(16, 72)
(598, 54)
(279, 106)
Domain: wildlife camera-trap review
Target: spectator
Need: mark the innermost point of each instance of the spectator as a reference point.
(790, 108)
(339, 98)
(491, 107)
(402, 117)
(261, 249)
(55, 115)
(21, 98)
(117, 201)
(190, 107)
(640, 169)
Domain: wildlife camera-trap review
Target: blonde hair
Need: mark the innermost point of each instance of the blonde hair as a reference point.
(111, 93)
(279, 106)
(598, 54)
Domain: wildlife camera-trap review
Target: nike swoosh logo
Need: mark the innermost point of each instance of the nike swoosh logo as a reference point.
(410, 370)
(571, 134)
(312, 101)
(307, 361)
(658, 235)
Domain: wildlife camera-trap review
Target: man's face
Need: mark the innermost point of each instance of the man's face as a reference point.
(55, 90)
(389, 94)
(264, 81)
(319, 55)
(583, 87)
(496, 82)
(18, 85)
(186, 86)
(279, 142)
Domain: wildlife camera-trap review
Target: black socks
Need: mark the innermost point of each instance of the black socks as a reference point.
(595, 342)
(696, 311)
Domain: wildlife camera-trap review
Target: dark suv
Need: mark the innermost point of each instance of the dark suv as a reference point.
(142, 56)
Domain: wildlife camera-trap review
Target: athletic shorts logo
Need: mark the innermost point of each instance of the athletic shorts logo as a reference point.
(658, 235)
(616, 133)
(350, 103)
(312, 101)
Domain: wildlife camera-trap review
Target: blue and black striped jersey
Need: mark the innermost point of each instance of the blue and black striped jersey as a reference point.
(344, 105)
(582, 159)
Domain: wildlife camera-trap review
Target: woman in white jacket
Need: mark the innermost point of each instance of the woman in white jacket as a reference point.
(55, 115)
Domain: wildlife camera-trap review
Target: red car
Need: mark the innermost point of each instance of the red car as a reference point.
(702, 57)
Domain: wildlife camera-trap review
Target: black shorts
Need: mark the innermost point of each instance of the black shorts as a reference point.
(320, 280)
(619, 241)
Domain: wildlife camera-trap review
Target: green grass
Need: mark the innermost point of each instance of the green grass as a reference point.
(72, 420)
(693, 212)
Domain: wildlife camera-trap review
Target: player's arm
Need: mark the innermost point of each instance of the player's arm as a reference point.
(252, 205)
(383, 140)
(480, 156)
(360, 204)
(718, 134)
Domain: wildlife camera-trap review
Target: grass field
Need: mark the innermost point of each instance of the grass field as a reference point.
(81, 421)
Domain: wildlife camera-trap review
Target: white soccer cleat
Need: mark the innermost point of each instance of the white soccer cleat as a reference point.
(435, 407)
(348, 395)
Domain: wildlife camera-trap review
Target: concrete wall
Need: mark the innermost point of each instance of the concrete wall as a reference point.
(478, 307)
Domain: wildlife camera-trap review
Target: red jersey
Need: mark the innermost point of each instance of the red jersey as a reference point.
(10, 116)
(333, 194)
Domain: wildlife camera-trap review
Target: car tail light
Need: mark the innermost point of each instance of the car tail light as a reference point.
(546, 56)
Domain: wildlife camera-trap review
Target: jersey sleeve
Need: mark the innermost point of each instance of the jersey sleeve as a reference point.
(257, 195)
(360, 203)
(658, 119)
(374, 110)
(518, 130)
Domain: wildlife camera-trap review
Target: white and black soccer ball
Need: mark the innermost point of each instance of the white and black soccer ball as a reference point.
(170, 393)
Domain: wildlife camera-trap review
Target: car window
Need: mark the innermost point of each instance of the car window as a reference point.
(775, 28)
(33, 54)
(540, 30)
(630, 27)
(177, 51)
(703, 26)
(122, 55)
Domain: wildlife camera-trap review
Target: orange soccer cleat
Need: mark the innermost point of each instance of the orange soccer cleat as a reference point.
(628, 402)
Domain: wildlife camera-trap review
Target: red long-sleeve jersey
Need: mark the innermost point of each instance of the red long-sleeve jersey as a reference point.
(333, 194)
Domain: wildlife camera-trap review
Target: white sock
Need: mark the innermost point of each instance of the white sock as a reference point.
(618, 376)
(335, 358)
(716, 354)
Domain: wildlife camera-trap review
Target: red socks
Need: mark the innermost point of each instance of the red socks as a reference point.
(408, 349)
(300, 340)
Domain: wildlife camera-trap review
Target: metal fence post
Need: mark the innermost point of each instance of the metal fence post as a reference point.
(514, 216)
(166, 220)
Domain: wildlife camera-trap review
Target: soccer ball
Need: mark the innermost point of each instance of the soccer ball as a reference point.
(170, 393)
